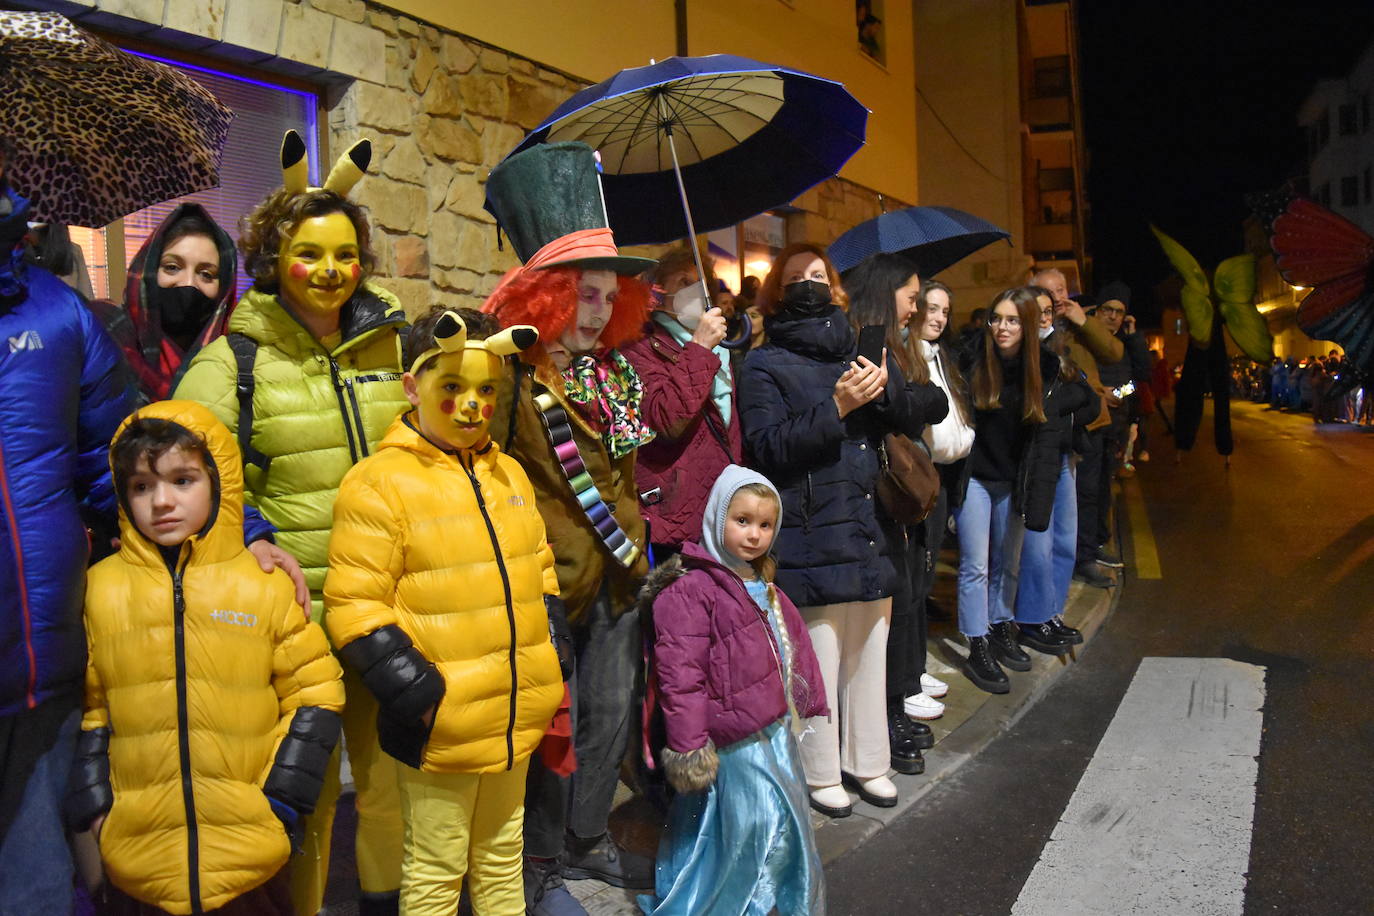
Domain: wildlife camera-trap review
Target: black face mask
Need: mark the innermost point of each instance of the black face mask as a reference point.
(184, 310)
(806, 298)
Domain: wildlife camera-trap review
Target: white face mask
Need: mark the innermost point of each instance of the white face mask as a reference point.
(689, 304)
(1045, 332)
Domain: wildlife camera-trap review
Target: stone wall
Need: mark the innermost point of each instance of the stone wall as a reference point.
(442, 109)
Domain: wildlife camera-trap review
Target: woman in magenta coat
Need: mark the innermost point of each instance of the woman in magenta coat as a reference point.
(689, 402)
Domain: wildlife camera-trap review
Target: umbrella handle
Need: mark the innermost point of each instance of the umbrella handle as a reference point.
(746, 332)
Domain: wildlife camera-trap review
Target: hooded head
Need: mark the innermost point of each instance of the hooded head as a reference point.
(221, 537)
(731, 480)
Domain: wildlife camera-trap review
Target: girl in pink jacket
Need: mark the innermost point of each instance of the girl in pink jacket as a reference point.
(736, 677)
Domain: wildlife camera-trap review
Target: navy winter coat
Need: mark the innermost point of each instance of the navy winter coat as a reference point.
(831, 547)
(63, 391)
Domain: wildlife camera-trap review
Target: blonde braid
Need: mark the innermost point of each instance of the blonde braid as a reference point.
(785, 641)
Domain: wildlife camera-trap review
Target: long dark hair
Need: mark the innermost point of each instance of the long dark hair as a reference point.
(872, 288)
(987, 371)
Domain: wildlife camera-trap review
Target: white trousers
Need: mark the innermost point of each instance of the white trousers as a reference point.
(850, 640)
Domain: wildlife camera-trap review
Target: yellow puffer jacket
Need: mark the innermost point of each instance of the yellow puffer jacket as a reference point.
(316, 410)
(440, 557)
(195, 681)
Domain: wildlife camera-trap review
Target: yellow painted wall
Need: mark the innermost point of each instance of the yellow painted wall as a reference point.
(820, 38)
(969, 119)
(590, 40)
(593, 40)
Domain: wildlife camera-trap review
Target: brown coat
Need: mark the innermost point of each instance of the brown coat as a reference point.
(581, 560)
(1086, 344)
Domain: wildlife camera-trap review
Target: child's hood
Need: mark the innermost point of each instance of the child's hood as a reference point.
(718, 505)
(222, 536)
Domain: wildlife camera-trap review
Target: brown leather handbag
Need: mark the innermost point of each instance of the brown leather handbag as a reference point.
(908, 483)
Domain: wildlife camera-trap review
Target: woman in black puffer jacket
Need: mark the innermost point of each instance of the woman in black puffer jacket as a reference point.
(802, 399)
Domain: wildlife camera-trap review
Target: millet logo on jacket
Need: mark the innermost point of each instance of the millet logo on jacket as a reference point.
(237, 618)
(28, 340)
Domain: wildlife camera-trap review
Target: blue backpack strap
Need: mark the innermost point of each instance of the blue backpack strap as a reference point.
(245, 350)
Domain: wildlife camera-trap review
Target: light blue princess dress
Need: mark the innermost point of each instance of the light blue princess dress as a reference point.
(744, 846)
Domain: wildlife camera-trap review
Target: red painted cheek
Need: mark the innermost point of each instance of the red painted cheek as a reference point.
(356, 270)
(446, 406)
(299, 271)
(487, 412)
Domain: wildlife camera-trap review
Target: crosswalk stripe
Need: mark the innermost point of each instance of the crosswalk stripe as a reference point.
(1160, 822)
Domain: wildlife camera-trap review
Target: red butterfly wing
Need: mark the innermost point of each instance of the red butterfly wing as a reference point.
(1312, 245)
(1326, 300)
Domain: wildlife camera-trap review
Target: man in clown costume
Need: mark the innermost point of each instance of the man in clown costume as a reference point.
(574, 424)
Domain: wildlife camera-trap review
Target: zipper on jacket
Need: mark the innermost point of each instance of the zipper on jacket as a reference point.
(510, 608)
(762, 616)
(188, 797)
(30, 699)
(343, 408)
(357, 415)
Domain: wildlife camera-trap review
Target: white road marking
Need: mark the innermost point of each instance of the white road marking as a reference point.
(1160, 822)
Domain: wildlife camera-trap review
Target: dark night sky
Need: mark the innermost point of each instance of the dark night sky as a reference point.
(1190, 104)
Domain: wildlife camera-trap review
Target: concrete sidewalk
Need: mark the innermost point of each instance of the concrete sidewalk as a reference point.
(972, 719)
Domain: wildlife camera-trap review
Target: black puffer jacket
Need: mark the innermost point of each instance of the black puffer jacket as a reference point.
(831, 548)
(1067, 404)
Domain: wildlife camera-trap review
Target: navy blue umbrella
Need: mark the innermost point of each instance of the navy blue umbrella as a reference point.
(732, 136)
(934, 238)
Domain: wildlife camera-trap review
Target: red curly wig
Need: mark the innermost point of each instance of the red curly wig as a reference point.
(547, 299)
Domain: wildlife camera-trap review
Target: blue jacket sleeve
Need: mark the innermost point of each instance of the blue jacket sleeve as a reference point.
(255, 527)
(777, 440)
(107, 397)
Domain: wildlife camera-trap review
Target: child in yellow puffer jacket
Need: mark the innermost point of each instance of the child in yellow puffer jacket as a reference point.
(212, 703)
(440, 592)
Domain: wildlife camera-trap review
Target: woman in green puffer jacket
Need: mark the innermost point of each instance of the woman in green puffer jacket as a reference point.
(324, 347)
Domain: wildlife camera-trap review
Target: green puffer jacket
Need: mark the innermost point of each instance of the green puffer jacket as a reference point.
(316, 412)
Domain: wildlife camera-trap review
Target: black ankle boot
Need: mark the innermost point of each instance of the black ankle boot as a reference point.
(983, 669)
(901, 740)
(1065, 631)
(1002, 639)
(1042, 638)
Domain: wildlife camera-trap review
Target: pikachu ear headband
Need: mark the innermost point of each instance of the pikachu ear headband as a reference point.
(347, 170)
(451, 336)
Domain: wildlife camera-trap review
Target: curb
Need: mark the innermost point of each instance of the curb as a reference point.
(961, 741)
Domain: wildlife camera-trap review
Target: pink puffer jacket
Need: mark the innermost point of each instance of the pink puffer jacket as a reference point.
(717, 663)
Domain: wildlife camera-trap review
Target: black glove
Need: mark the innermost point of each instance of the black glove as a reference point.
(560, 634)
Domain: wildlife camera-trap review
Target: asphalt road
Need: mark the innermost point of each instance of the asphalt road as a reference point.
(1270, 562)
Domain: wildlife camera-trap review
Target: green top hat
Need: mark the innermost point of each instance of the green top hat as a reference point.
(550, 191)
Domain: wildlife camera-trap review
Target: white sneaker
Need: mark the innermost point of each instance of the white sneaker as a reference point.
(932, 686)
(921, 706)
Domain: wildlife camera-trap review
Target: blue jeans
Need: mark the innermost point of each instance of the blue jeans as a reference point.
(987, 546)
(1047, 557)
(36, 751)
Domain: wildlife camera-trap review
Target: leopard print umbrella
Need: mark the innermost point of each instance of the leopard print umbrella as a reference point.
(93, 133)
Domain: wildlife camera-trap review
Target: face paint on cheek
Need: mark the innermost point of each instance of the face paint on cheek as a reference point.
(446, 406)
(356, 271)
(487, 412)
(299, 271)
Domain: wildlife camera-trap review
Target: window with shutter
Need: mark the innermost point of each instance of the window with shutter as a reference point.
(263, 111)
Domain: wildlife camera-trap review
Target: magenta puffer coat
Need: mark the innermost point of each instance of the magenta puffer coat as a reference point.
(717, 663)
(690, 449)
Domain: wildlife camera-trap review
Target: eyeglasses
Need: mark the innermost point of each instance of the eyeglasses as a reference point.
(1110, 310)
(1010, 321)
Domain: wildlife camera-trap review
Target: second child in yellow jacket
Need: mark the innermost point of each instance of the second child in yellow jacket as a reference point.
(439, 581)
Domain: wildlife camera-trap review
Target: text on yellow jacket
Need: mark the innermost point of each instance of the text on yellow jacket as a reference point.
(206, 691)
(439, 570)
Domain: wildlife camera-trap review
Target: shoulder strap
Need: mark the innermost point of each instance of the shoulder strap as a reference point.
(245, 351)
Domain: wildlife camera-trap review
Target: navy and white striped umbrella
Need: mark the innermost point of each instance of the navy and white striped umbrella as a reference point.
(933, 238)
(728, 136)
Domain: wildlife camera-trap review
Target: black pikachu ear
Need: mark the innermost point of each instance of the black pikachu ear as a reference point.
(447, 326)
(361, 154)
(524, 337)
(294, 165)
